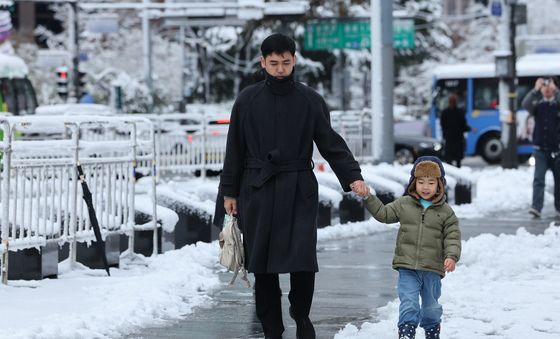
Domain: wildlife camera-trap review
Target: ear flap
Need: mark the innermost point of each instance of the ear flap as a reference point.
(411, 190)
(440, 193)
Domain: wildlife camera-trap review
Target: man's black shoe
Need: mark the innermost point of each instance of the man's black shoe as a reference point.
(305, 329)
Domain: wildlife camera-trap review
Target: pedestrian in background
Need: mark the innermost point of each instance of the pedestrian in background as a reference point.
(542, 103)
(268, 182)
(454, 125)
(428, 245)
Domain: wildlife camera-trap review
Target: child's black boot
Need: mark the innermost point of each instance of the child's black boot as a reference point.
(407, 331)
(432, 332)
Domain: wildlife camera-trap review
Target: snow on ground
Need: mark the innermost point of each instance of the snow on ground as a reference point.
(504, 287)
(84, 303)
(502, 190)
(354, 230)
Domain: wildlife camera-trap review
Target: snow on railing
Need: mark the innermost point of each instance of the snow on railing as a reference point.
(40, 195)
(186, 142)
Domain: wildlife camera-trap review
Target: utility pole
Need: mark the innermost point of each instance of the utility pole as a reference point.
(147, 46)
(74, 46)
(382, 81)
(182, 107)
(343, 98)
(507, 88)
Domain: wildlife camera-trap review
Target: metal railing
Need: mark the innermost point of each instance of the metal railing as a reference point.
(40, 196)
(186, 142)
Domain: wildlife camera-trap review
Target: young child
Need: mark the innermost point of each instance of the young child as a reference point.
(428, 245)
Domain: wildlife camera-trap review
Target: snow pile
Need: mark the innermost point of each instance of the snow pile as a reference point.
(12, 66)
(184, 200)
(502, 190)
(353, 230)
(505, 287)
(88, 304)
(168, 217)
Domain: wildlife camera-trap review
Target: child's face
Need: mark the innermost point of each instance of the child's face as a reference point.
(426, 187)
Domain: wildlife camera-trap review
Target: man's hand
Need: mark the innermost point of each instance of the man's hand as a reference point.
(230, 205)
(538, 84)
(449, 265)
(360, 188)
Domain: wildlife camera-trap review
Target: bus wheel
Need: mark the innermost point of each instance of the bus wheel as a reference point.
(491, 149)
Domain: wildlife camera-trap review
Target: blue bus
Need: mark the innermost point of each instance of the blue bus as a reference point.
(477, 89)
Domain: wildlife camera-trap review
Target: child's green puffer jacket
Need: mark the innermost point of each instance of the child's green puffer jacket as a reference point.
(426, 237)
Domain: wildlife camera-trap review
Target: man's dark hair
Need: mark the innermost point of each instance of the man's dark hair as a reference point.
(279, 44)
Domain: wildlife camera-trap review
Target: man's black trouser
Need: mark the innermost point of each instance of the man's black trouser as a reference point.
(269, 304)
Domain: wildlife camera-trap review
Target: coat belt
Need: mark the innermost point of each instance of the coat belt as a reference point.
(270, 168)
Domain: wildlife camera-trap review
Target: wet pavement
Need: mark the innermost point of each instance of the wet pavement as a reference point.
(355, 278)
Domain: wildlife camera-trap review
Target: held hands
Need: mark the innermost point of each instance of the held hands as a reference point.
(449, 265)
(360, 188)
(230, 205)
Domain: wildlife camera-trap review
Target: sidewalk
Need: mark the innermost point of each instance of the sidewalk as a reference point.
(355, 278)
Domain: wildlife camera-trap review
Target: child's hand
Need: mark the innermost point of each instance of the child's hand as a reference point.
(360, 188)
(449, 265)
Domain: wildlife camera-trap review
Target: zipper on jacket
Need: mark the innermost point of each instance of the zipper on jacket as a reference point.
(420, 231)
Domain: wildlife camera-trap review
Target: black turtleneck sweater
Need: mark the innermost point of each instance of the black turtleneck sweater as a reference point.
(280, 86)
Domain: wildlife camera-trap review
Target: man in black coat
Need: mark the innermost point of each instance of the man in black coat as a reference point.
(268, 182)
(454, 125)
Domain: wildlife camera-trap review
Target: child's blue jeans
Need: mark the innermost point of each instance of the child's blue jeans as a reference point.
(412, 285)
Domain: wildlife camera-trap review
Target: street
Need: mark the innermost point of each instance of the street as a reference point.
(355, 278)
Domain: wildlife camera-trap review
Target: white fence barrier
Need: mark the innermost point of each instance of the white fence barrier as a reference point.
(40, 195)
(187, 142)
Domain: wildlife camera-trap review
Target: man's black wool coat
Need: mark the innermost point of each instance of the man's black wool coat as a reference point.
(268, 168)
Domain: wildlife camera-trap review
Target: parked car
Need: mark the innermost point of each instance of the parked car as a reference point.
(409, 147)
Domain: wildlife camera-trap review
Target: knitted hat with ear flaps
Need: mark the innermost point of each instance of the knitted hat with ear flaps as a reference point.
(428, 166)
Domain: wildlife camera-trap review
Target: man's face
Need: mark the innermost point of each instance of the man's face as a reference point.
(279, 65)
(548, 89)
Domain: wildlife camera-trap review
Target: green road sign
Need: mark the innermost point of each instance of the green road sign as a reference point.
(353, 34)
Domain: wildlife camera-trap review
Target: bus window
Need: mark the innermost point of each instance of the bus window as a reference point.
(25, 96)
(485, 94)
(445, 87)
(8, 94)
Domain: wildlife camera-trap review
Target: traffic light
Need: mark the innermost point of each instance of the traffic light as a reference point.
(82, 83)
(62, 82)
